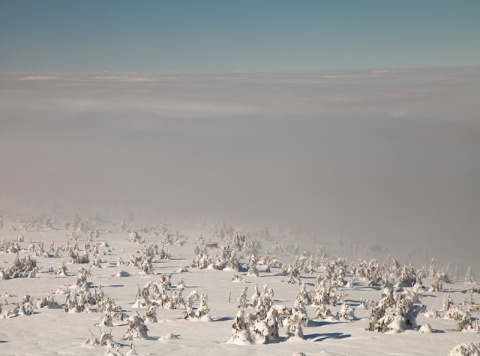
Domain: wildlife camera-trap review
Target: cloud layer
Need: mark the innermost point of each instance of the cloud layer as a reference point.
(381, 155)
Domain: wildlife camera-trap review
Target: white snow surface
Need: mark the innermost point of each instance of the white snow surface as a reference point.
(55, 332)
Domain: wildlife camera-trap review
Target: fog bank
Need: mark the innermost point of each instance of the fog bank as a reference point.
(367, 155)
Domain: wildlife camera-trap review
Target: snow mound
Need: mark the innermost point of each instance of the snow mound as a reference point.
(169, 336)
(425, 328)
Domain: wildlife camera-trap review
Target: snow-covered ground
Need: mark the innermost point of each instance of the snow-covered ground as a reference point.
(112, 244)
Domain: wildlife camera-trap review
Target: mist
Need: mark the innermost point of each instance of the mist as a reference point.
(387, 156)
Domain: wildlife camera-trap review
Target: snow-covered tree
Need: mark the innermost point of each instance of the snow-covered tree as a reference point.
(267, 329)
(242, 298)
(136, 328)
(469, 277)
(241, 330)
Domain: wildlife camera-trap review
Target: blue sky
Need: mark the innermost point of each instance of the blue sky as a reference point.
(227, 35)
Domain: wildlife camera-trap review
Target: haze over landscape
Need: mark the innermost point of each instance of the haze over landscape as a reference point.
(351, 119)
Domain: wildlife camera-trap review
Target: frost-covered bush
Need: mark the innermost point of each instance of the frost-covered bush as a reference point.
(241, 330)
(465, 349)
(242, 298)
(76, 258)
(346, 313)
(61, 270)
(252, 266)
(323, 313)
(469, 277)
(370, 271)
(201, 259)
(304, 295)
(202, 312)
(468, 323)
(105, 340)
(25, 307)
(156, 294)
(82, 276)
(395, 312)
(297, 319)
(292, 272)
(25, 267)
(262, 302)
(136, 238)
(267, 329)
(325, 293)
(151, 314)
(47, 302)
(454, 313)
(408, 277)
(145, 260)
(10, 246)
(227, 259)
(437, 282)
(136, 328)
(237, 279)
(142, 298)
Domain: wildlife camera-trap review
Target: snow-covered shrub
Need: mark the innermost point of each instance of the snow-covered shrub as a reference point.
(201, 259)
(237, 279)
(62, 270)
(447, 302)
(189, 311)
(323, 313)
(252, 266)
(141, 299)
(10, 246)
(395, 312)
(454, 313)
(267, 329)
(105, 340)
(371, 271)
(203, 310)
(325, 293)
(136, 328)
(465, 349)
(304, 295)
(151, 314)
(297, 319)
(408, 277)
(47, 302)
(469, 277)
(241, 330)
(270, 262)
(76, 258)
(242, 298)
(227, 259)
(262, 302)
(11, 313)
(136, 238)
(346, 313)
(437, 282)
(468, 323)
(25, 267)
(82, 276)
(432, 314)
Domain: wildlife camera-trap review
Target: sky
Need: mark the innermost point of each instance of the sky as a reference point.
(358, 119)
(224, 35)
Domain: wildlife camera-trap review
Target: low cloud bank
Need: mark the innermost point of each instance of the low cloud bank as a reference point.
(388, 156)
